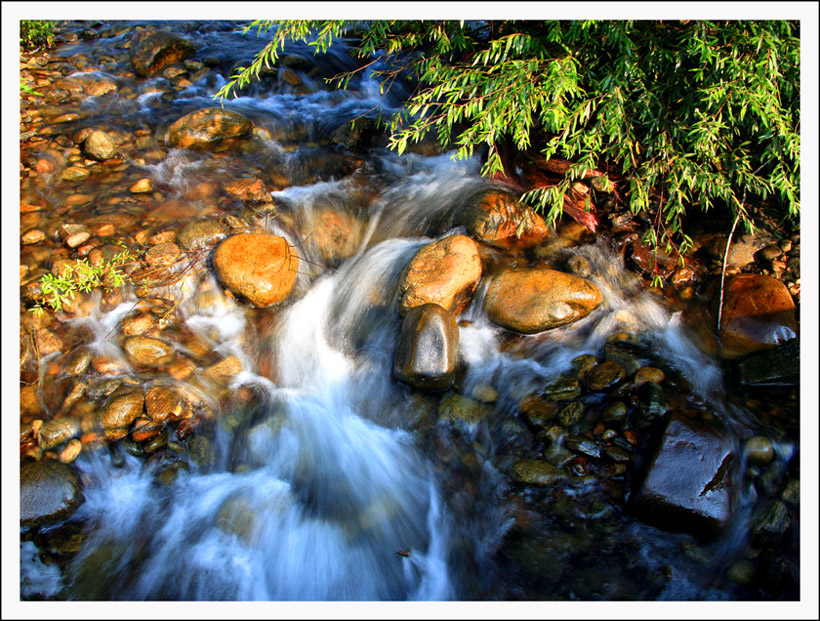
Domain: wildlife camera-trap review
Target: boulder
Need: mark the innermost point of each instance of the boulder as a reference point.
(497, 218)
(689, 484)
(427, 350)
(49, 493)
(444, 272)
(534, 300)
(758, 314)
(259, 267)
(204, 127)
(99, 145)
(153, 50)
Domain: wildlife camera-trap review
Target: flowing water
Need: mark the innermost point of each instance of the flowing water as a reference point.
(327, 479)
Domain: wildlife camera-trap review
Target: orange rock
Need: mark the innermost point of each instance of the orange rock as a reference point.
(445, 272)
(758, 314)
(497, 218)
(259, 267)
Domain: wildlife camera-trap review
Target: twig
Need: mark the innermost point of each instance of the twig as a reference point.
(726, 253)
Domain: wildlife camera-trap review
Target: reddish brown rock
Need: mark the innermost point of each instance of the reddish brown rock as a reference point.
(120, 413)
(205, 127)
(445, 272)
(259, 267)
(153, 50)
(497, 218)
(758, 314)
(248, 190)
(533, 300)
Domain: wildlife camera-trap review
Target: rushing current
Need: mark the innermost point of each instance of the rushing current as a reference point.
(335, 481)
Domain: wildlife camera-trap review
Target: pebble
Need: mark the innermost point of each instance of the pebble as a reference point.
(604, 375)
(32, 237)
(759, 451)
(71, 451)
(141, 186)
(648, 374)
(571, 413)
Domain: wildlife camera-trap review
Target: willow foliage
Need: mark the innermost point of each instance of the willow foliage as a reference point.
(693, 114)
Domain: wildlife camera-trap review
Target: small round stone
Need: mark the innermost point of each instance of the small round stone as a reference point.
(759, 451)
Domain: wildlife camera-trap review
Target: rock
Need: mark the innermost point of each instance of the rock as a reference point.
(74, 173)
(148, 351)
(202, 234)
(571, 413)
(579, 265)
(162, 403)
(497, 218)
(248, 190)
(71, 451)
(335, 234)
(142, 186)
(100, 87)
(651, 405)
(444, 272)
(138, 325)
(259, 267)
(204, 127)
(562, 389)
(741, 252)
(120, 412)
(615, 413)
(534, 300)
(201, 451)
(163, 255)
(776, 367)
(537, 472)
(604, 375)
(49, 493)
(689, 484)
(538, 411)
(758, 314)
(153, 50)
(458, 408)
(99, 145)
(770, 528)
(759, 451)
(648, 374)
(225, 369)
(57, 431)
(427, 349)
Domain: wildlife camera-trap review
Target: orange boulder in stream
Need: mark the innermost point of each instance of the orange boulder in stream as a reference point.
(259, 267)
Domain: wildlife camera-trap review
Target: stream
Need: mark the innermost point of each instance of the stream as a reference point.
(295, 466)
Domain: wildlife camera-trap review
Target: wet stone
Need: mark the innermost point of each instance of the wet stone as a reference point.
(497, 218)
(74, 173)
(148, 351)
(57, 431)
(759, 451)
(71, 451)
(582, 364)
(571, 413)
(538, 411)
(99, 145)
(537, 472)
(585, 446)
(427, 349)
(648, 374)
(615, 413)
(562, 389)
(141, 187)
(49, 493)
(202, 234)
(120, 413)
(201, 451)
(458, 408)
(700, 503)
(139, 325)
(771, 526)
(162, 402)
(604, 376)
(151, 51)
(651, 405)
(163, 255)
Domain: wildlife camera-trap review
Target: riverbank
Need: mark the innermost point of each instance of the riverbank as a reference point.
(545, 450)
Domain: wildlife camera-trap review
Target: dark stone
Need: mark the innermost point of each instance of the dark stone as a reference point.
(770, 528)
(153, 50)
(776, 367)
(427, 350)
(688, 486)
(651, 405)
(604, 375)
(49, 492)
